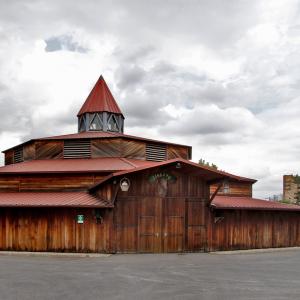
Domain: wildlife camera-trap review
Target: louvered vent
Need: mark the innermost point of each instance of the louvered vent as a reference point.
(18, 155)
(155, 152)
(77, 149)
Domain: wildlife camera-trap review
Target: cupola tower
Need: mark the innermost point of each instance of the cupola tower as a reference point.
(100, 111)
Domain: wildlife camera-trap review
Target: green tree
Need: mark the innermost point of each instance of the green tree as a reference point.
(202, 162)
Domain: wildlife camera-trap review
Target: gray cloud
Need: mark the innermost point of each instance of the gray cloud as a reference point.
(130, 76)
(64, 42)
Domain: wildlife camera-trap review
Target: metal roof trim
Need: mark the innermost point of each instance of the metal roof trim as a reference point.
(52, 199)
(249, 203)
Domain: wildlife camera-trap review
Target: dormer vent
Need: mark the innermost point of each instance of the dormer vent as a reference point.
(156, 152)
(77, 148)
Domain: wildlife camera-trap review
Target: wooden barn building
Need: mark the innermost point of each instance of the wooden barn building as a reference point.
(100, 190)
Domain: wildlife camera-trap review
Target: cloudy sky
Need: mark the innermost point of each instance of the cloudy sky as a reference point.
(222, 76)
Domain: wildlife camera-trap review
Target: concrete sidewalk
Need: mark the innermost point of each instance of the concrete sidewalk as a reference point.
(101, 255)
(53, 254)
(254, 251)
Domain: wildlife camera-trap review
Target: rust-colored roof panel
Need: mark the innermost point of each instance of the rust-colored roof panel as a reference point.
(189, 163)
(105, 164)
(248, 203)
(102, 134)
(51, 199)
(100, 99)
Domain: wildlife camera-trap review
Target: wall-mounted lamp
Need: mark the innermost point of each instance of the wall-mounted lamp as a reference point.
(178, 165)
(124, 184)
(98, 216)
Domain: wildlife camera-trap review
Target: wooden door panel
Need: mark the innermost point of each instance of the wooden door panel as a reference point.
(173, 224)
(174, 234)
(196, 238)
(126, 224)
(147, 233)
(150, 225)
(126, 237)
(196, 225)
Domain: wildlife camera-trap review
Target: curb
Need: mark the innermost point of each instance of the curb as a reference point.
(53, 254)
(253, 251)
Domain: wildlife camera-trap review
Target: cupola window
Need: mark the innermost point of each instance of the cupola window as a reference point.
(81, 124)
(96, 122)
(112, 123)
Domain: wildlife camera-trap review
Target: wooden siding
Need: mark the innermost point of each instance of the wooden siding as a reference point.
(48, 149)
(177, 151)
(106, 148)
(134, 149)
(55, 229)
(9, 157)
(159, 217)
(150, 217)
(235, 189)
(74, 182)
(117, 147)
(242, 229)
(131, 149)
(29, 152)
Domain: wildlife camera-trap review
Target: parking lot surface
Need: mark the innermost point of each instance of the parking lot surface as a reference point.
(270, 275)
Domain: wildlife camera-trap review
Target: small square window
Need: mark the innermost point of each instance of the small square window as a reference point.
(225, 187)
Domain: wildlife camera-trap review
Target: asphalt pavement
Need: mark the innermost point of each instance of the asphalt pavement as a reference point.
(268, 275)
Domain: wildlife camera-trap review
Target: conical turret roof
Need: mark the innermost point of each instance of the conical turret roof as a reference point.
(100, 99)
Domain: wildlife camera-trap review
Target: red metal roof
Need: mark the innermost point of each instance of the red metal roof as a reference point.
(248, 203)
(214, 174)
(104, 164)
(100, 99)
(102, 134)
(187, 162)
(51, 199)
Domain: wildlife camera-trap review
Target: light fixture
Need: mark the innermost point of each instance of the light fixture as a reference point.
(124, 184)
(178, 165)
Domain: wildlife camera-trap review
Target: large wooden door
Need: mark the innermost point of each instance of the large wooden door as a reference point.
(161, 224)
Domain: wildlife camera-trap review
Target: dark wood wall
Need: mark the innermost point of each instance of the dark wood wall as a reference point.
(48, 182)
(162, 216)
(236, 188)
(54, 229)
(247, 229)
(116, 147)
(144, 220)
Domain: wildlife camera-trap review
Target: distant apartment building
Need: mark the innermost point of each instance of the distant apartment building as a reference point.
(291, 188)
(275, 198)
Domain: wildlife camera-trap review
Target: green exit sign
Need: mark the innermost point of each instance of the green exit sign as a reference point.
(80, 219)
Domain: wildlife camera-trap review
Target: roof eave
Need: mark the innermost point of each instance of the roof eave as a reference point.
(221, 174)
(255, 208)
